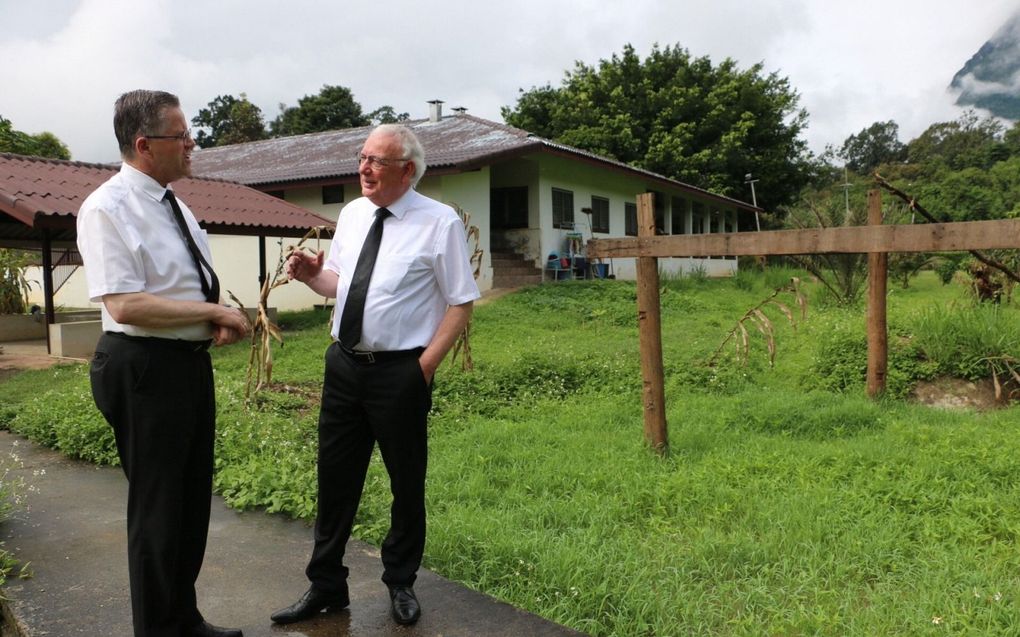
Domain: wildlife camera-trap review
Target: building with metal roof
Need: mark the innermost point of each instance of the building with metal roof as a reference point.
(39, 202)
(534, 201)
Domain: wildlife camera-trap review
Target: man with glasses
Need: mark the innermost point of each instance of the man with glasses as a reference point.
(400, 271)
(148, 262)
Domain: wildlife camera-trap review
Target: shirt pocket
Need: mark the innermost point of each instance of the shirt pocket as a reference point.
(389, 271)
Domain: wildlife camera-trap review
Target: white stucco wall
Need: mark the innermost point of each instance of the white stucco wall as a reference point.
(470, 192)
(584, 181)
(236, 260)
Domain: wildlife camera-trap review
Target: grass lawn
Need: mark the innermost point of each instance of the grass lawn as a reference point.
(789, 505)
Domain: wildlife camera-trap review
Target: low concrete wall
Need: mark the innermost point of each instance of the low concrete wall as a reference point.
(77, 315)
(22, 327)
(76, 339)
(32, 327)
(74, 335)
(253, 312)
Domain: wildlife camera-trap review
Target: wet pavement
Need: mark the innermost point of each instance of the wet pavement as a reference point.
(73, 535)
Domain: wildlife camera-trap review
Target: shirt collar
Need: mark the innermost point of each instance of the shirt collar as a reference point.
(142, 182)
(400, 207)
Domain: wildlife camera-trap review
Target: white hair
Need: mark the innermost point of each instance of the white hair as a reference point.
(410, 147)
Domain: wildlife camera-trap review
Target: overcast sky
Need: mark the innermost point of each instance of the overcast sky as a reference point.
(64, 62)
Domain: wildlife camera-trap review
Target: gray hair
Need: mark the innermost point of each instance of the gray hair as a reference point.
(410, 147)
(139, 113)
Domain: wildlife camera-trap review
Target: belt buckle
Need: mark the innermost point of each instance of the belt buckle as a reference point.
(362, 357)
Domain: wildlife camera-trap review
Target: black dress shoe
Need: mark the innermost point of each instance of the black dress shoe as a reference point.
(205, 629)
(310, 604)
(404, 605)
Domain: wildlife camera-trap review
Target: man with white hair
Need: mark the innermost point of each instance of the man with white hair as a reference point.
(400, 265)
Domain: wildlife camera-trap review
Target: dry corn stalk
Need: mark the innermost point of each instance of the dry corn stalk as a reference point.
(463, 343)
(1010, 364)
(263, 330)
(756, 317)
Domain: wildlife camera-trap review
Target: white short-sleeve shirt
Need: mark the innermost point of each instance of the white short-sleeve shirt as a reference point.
(423, 267)
(129, 242)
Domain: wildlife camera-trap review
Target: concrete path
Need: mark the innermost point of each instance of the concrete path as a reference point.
(73, 534)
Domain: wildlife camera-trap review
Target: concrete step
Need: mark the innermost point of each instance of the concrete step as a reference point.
(506, 263)
(510, 258)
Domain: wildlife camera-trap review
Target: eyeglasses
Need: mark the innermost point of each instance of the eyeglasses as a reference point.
(379, 162)
(181, 137)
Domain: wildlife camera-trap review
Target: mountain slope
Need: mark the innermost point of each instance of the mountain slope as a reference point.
(991, 77)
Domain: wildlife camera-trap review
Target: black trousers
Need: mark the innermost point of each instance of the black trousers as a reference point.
(364, 403)
(159, 398)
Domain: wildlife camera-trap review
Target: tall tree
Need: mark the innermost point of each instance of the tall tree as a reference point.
(681, 117)
(875, 145)
(247, 123)
(968, 142)
(229, 120)
(333, 108)
(1011, 140)
(43, 144)
(387, 115)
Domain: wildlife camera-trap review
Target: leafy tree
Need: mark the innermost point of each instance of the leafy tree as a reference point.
(844, 276)
(969, 194)
(968, 142)
(1011, 140)
(14, 287)
(876, 145)
(229, 120)
(333, 108)
(387, 115)
(247, 124)
(43, 144)
(681, 117)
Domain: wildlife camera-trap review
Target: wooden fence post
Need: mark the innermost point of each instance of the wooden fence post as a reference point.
(878, 340)
(650, 332)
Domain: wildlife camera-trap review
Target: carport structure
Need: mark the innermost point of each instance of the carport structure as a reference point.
(40, 198)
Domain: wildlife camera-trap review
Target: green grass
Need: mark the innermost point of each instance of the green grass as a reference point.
(789, 505)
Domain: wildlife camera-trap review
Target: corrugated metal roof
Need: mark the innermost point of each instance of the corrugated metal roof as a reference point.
(458, 142)
(48, 192)
(450, 142)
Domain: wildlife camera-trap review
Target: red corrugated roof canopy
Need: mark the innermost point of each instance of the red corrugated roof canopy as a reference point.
(43, 195)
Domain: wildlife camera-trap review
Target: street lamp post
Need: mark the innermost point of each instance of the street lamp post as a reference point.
(754, 200)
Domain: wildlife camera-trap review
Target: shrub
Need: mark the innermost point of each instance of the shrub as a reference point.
(841, 361)
(64, 417)
(959, 338)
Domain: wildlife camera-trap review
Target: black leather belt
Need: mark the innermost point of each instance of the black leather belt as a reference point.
(171, 343)
(369, 358)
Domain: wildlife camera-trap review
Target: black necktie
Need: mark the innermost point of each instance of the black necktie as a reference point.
(354, 307)
(210, 290)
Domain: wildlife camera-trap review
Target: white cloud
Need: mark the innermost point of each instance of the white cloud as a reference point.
(852, 63)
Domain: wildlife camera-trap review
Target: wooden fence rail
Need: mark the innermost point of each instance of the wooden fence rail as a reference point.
(875, 240)
(924, 237)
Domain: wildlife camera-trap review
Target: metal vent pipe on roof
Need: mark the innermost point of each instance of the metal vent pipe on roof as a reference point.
(435, 110)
